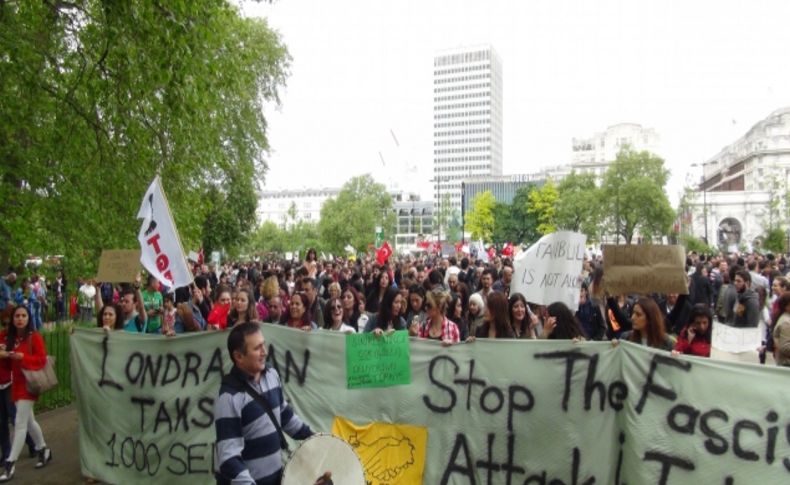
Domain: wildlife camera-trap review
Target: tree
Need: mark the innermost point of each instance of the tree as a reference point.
(513, 222)
(772, 213)
(542, 204)
(352, 217)
(98, 97)
(633, 195)
(480, 220)
(774, 240)
(578, 205)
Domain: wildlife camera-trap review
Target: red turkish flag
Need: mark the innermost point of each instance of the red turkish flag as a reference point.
(383, 253)
(491, 253)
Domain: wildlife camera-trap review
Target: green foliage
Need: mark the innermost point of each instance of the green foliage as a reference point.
(578, 205)
(692, 243)
(513, 222)
(352, 217)
(772, 213)
(271, 238)
(542, 204)
(98, 97)
(774, 241)
(480, 220)
(633, 195)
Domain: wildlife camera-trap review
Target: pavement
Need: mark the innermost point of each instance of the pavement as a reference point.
(60, 432)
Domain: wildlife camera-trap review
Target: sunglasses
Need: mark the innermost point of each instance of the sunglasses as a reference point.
(336, 307)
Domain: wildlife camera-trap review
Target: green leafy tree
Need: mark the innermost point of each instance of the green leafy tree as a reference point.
(98, 97)
(578, 205)
(633, 195)
(480, 220)
(772, 213)
(352, 216)
(774, 240)
(542, 204)
(513, 222)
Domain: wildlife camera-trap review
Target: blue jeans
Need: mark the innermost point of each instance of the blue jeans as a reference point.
(35, 313)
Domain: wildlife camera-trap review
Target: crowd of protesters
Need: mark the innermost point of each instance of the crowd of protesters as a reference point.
(449, 299)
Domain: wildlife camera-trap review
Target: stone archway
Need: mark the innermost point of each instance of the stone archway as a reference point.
(730, 231)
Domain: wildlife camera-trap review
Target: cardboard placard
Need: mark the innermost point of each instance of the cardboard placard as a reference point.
(644, 269)
(118, 265)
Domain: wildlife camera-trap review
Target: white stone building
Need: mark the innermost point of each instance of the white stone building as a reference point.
(594, 154)
(287, 207)
(739, 182)
(467, 119)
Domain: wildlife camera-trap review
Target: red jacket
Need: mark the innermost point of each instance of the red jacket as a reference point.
(699, 346)
(34, 357)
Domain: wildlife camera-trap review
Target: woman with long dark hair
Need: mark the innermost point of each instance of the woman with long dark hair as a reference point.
(646, 324)
(351, 300)
(496, 322)
(561, 323)
(388, 318)
(23, 349)
(522, 320)
(299, 317)
(695, 337)
(377, 291)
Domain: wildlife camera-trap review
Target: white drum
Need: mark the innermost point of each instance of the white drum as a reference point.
(324, 453)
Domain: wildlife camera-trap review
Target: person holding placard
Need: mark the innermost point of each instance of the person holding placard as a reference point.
(561, 324)
(133, 313)
(523, 322)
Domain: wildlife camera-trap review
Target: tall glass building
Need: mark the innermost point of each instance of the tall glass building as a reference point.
(467, 119)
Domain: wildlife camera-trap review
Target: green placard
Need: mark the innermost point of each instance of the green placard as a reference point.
(377, 361)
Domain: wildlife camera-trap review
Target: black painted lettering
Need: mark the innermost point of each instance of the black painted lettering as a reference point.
(688, 413)
(619, 469)
(136, 362)
(499, 403)
(191, 367)
(570, 359)
(514, 393)
(171, 365)
(182, 469)
(489, 465)
(206, 406)
(667, 462)
(591, 384)
(143, 402)
(103, 380)
(508, 467)
(651, 387)
(618, 393)
(716, 444)
(435, 381)
(181, 414)
(290, 364)
(739, 451)
(162, 416)
(215, 365)
(464, 469)
(194, 459)
(152, 370)
(471, 381)
(773, 432)
(577, 462)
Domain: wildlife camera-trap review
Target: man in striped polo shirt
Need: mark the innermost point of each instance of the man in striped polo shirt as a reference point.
(248, 443)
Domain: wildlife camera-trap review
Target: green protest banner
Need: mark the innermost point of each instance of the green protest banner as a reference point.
(496, 411)
(377, 361)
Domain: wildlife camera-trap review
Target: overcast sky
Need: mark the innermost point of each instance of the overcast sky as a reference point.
(700, 72)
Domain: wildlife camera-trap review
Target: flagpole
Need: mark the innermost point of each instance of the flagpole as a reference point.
(172, 221)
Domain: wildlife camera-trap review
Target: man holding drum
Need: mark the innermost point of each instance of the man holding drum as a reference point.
(251, 414)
